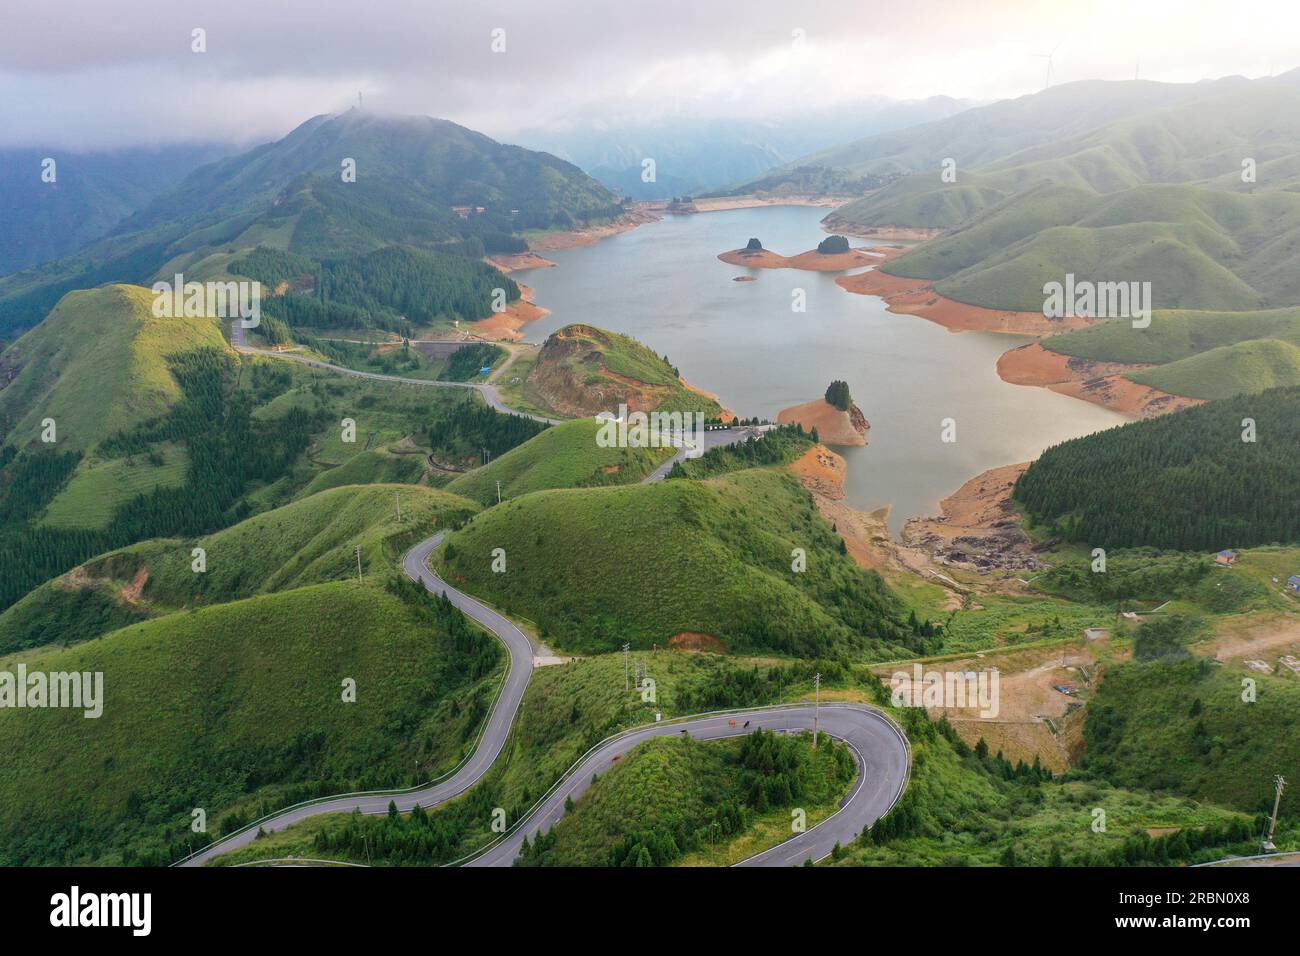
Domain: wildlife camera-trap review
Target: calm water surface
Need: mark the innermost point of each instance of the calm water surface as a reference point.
(663, 284)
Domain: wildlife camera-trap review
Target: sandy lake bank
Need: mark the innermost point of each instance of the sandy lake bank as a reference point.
(1102, 383)
(516, 262)
(570, 239)
(834, 427)
(836, 223)
(918, 297)
(726, 203)
(811, 261)
(506, 326)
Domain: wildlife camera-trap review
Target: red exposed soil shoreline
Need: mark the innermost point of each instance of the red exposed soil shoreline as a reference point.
(834, 427)
(811, 261)
(1102, 383)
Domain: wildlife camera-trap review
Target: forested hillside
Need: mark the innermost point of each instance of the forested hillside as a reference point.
(1181, 726)
(417, 181)
(227, 449)
(1187, 481)
(395, 288)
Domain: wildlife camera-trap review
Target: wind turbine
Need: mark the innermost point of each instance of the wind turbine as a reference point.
(1048, 58)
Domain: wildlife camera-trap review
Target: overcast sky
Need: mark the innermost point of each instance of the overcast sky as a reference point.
(92, 73)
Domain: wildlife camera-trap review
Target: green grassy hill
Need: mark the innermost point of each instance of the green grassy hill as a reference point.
(1199, 248)
(582, 371)
(566, 710)
(643, 563)
(99, 487)
(1175, 335)
(1143, 184)
(998, 228)
(456, 165)
(1133, 134)
(307, 542)
(1243, 368)
(376, 466)
(985, 134)
(694, 798)
(235, 709)
(563, 456)
(1201, 354)
(1183, 727)
(250, 435)
(96, 365)
(914, 201)
(964, 808)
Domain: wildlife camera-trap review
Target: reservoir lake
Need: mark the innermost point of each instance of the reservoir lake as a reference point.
(663, 284)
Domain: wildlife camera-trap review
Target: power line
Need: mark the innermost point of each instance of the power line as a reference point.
(817, 705)
(1278, 783)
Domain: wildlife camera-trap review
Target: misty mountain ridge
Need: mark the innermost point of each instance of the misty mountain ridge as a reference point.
(696, 153)
(92, 193)
(411, 173)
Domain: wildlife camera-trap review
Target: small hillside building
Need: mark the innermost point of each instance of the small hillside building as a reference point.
(1293, 583)
(1227, 558)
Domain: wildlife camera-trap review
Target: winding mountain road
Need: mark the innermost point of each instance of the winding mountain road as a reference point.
(493, 737)
(878, 746)
(712, 439)
(238, 338)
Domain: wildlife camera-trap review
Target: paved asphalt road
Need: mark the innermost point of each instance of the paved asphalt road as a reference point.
(879, 747)
(712, 439)
(877, 744)
(489, 392)
(490, 744)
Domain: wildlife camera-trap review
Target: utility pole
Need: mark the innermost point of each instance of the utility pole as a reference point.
(1279, 783)
(358, 550)
(498, 491)
(626, 685)
(398, 496)
(817, 705)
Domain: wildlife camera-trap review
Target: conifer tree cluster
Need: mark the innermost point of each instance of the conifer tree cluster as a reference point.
(1221, 475)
